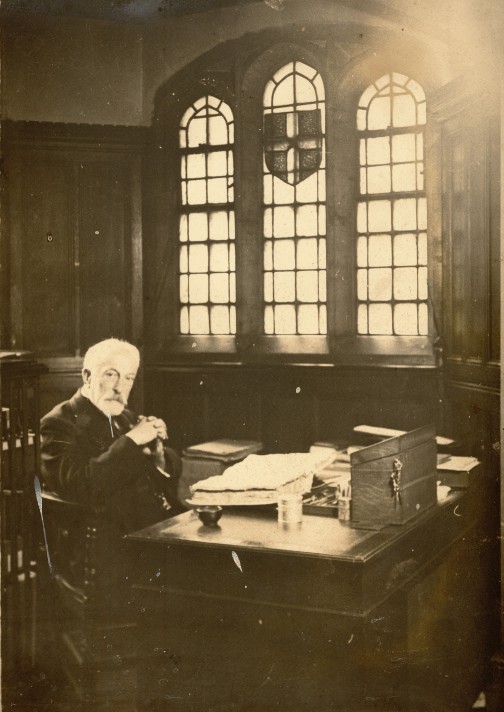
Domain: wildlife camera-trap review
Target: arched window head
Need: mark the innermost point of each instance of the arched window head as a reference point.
(207, 271)
(392, 287)
(294, 194)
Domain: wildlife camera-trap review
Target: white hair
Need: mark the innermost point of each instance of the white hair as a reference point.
(98, 352)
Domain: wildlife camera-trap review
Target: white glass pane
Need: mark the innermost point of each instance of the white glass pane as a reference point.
(183, 167)
(378, 179)
(362, 252)
(305, 91)
(362, 294)
(383, 82)
(183, 228)
(323, 319)
(420, 176)
(363, 181)
(379, 113)
(307, 253)
(284, 255)
(405, 319)
(231, 225)
(361, 119)
(416, 90)
(196, 192)
(362, 217)
(322, 220)
(268, 189)
(380, 319)
(379, 215)
(232, 287)
(183, 260)
(219, 258)
(232, 319)
(404, 112)
(380, 284)
(198, 317)
(198, 288)
(283, 193)
(268, 287)
(198, 258)
(399, 78)
(362, 152)
(184, 192)
(268, 320)
(362, 326)
(422, 213)
(217, 163)
(284, 287)
(230, 190)
(422, 249)
(268, 222)
(218, 131)
(405, 214)
(283, 222)
(404, 177)
(184, 288)
(405, 250)
(197, 132)
(308, 319)
(403, 148)
(405, 283)
(285, 319)
(322, 253)
(306, 191)
(307, 286)
(423, 320)
(422, 283)
(268, 255)
(196, 165)
(219, 320)
(219, 288)
(283, 94)
(218, 225)
(198, 227)
(378, 150)
(380, 251)
(217, 190)
(182, 139)
(306, 220)
(184, 320)
(322, 285)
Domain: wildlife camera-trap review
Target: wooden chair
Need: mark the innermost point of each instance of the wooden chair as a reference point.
(95, 650)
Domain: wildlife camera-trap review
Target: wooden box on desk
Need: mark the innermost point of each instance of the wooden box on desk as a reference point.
(394, 480)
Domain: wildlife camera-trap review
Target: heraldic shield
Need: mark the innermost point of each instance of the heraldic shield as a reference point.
(293, 144)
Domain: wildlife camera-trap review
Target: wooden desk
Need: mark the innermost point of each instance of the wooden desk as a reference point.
(250, 616)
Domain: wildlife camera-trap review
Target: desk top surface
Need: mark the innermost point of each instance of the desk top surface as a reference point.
(258, 529)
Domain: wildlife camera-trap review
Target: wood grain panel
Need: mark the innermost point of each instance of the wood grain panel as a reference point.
(47, 250)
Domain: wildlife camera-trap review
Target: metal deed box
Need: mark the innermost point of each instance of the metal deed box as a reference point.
(394, 480)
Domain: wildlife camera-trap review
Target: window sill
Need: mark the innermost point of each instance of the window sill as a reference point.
(392, 351)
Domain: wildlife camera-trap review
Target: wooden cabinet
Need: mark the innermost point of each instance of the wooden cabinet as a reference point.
(20, 524)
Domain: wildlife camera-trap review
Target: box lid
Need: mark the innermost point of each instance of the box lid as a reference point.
(393, 446)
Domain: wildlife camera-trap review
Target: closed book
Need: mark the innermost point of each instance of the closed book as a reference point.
(226, 449)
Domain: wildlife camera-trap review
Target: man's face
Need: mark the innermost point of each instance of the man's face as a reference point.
(110, 382)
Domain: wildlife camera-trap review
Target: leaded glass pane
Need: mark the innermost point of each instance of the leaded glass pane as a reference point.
(207, 265)
(391, 232)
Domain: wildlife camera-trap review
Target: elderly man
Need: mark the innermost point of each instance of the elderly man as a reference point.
(96, 451)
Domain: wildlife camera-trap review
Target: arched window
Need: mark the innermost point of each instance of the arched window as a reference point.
(392, 214)
(294, 194)
(207, 272)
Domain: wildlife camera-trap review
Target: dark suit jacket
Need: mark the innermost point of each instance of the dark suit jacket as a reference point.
(83, 460)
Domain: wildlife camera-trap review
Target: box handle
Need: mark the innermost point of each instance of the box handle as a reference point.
(395, 481)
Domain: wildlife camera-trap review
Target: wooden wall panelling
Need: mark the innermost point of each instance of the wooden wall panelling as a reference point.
(286, 407)
(75, 241)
